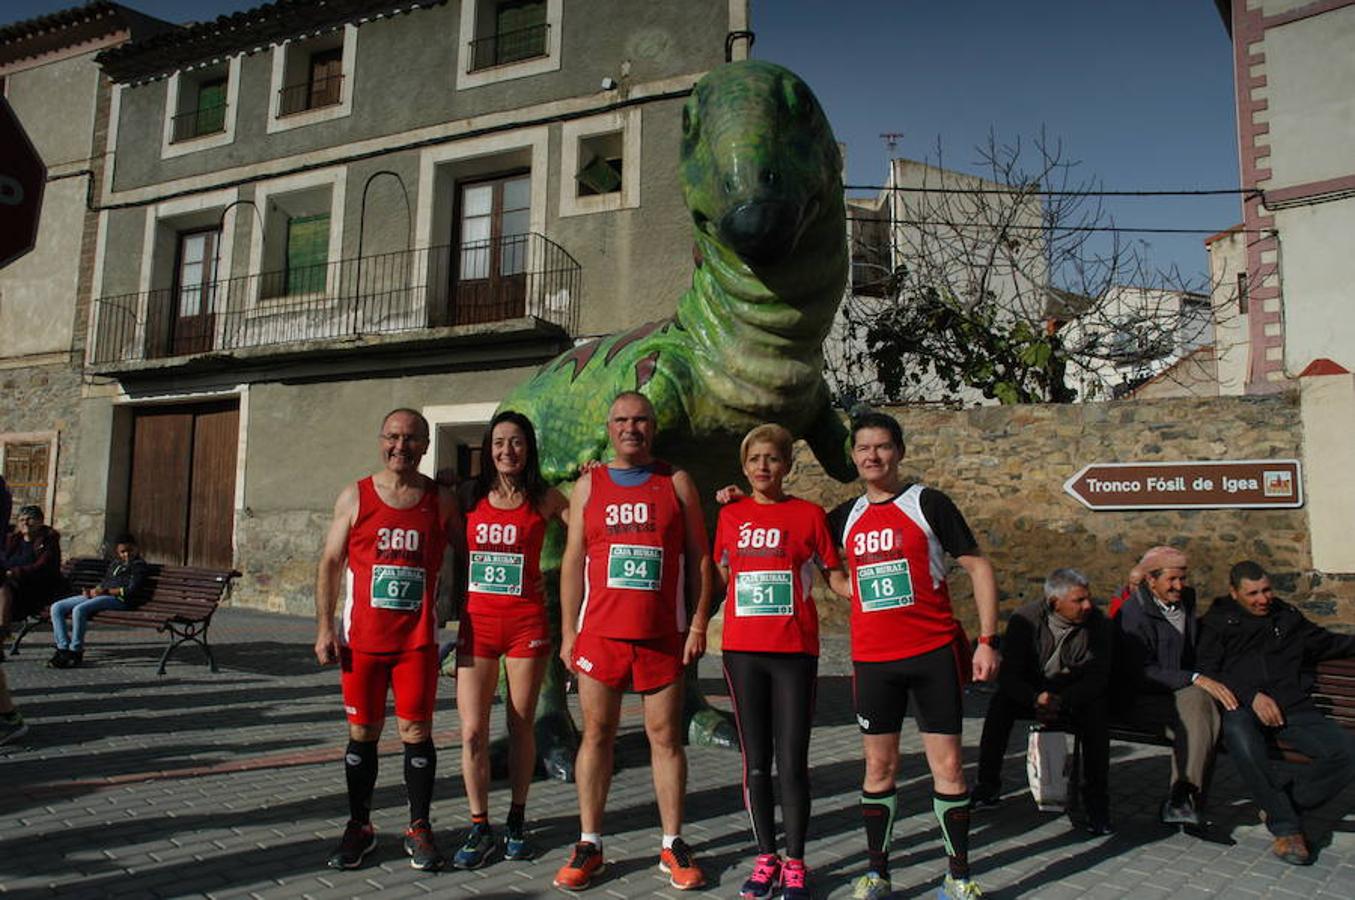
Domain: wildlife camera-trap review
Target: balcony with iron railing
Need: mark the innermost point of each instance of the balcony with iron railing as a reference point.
(508, 47)
(198, 123)
(440, 291)
(308, 95)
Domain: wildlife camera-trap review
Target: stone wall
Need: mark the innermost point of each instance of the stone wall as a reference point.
(1005, 468)
(44, 398)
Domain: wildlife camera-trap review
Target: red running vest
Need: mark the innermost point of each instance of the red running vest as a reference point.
(633, 557)
(504, 565)
(771, 551)
(900, 601)
(393, 561)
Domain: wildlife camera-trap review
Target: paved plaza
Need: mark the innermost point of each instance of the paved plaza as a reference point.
(231, 785)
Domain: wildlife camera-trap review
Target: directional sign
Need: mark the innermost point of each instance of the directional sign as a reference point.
(1233, 484)
(22, 177)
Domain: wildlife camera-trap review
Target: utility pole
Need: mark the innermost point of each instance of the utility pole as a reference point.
(891, 139)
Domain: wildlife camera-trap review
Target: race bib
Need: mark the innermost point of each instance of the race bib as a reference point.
(634, 568)
(397, 587)
(496, 573)
(764, 594)
(884, 585)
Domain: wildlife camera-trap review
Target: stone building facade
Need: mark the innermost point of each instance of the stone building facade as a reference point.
(46, 64)
(315, 213)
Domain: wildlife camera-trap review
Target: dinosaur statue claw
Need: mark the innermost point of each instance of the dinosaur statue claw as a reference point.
(556, 743)
(709, 727)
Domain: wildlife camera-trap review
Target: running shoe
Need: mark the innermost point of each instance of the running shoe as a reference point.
(793, 881)
(515, 845)
(676, 862)
(584, 864)
(958, 889)
(12, 727)
(765, 878)
(871, 886)
(359, 839)
(423, 853)
(984, 798)
(477, 849)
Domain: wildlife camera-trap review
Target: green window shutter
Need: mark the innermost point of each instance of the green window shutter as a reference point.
(307, 253)
(512, 22)
(211, 107)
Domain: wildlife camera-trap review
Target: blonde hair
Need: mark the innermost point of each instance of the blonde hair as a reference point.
(770, 433)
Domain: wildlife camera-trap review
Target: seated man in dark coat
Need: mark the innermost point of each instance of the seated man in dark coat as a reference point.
(1158, 684)
(1265, 651)
(1056, 669)
(30, 569)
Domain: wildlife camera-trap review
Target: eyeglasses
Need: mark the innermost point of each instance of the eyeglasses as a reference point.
(407, 438)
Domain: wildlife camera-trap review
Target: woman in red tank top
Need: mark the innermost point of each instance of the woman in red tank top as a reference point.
(767, 547)
(508, 507)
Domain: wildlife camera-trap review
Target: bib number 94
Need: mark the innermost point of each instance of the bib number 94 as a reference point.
(634, 568)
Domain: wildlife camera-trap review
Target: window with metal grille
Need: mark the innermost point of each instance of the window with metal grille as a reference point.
(27, 464)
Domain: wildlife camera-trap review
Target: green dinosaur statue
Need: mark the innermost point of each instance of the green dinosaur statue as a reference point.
(761, 174)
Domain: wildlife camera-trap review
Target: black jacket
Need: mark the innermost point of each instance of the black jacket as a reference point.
(1272, 654)
(1152, 656)
(1028, 643)
(41, 560)
(130, 576)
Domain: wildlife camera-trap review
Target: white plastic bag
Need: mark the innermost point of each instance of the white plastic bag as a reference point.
(1048, 766)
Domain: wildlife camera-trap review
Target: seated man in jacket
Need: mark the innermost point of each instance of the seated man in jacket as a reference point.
(119, 589)
(1265, 651)
(1159, 686)
(30, 569)
(1055, 669)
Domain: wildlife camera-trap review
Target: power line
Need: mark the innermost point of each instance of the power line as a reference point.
(1111, 229)
(1211, 192)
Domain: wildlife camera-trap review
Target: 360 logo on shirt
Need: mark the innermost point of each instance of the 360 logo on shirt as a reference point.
(485, 533)
(397, 539)
(879, 541)
(626, 514)
(758, 538)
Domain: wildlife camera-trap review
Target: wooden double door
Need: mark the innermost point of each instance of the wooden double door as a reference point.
(181, 501)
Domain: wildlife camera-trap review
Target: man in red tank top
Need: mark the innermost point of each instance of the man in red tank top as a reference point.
(384, 549)
(895, 540)
(636, 554)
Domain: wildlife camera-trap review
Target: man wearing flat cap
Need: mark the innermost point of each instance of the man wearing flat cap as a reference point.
(1159, 686)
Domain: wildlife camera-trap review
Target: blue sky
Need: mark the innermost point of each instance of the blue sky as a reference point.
(1139, 93)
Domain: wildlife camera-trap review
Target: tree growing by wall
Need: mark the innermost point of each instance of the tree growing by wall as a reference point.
(1010, 287)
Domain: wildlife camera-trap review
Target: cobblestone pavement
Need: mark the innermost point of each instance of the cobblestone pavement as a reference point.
(230, 785)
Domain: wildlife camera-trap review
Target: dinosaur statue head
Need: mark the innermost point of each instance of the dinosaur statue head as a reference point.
(759, 165)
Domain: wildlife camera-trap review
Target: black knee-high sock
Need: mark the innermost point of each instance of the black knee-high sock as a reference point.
(517, 816)
(421, 762)
(952, 811)
(359, 767)
(877, 809)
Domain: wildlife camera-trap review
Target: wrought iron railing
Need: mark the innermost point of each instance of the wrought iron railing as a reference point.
(198, 123)
(508, 47)
(295, 98)
(407, 291)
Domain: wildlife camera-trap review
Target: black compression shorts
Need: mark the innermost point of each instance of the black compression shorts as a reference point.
(882, 689)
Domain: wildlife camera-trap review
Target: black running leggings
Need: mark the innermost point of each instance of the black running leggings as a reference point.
(773, 697)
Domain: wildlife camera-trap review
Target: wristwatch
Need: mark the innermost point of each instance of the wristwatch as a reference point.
(990, 640)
